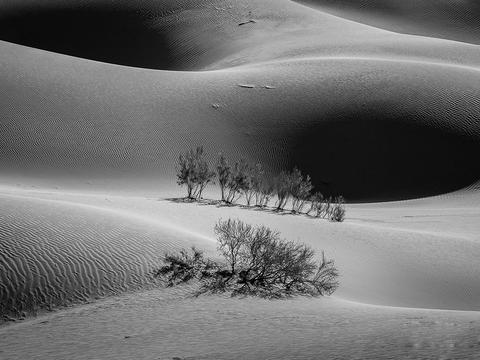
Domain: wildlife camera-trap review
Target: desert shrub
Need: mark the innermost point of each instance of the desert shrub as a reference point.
(224, 173)
(257, 261)
(292, 185)
(248, 182)
(300, 190)
(324, 208)
(337, 212)
(238, 182)
(265, 264)
(185, 266)
(316, 201)
(264, 193)
(243, 179)
(282, 190)
(193, 172)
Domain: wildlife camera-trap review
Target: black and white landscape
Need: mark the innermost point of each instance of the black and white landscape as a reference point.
(345, 135)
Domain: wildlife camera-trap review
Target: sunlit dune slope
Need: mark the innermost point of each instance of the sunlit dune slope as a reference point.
(55, 253)
(449, 19)
(371, 129)
(59, 248)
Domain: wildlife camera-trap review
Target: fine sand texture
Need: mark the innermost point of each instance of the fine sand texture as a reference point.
(99, 97)
(455, 20)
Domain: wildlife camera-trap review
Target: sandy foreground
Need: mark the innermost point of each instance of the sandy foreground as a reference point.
(371, 101)
(416, 261)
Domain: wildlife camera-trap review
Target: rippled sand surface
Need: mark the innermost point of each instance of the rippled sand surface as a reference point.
(98, 98)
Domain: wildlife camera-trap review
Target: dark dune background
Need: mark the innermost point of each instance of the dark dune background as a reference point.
(448, 19)
(146, 33)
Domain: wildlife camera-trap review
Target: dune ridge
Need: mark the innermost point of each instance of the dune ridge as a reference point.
(54, 254)
(456, 20)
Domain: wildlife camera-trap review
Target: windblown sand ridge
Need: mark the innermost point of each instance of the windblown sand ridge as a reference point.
(456, 20)
(56, 253)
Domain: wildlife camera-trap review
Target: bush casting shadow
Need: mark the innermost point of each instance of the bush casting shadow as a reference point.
(256, 261)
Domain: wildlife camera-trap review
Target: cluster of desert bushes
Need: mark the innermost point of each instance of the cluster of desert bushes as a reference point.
(250, 182)
(255, 261)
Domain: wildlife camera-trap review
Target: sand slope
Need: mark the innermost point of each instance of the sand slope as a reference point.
(157, 325)
(455, 20)
(380, 250)
(89, 134)
(56, 253)
(94, 120)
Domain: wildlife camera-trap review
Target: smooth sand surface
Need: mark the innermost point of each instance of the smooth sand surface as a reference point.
(91, 126)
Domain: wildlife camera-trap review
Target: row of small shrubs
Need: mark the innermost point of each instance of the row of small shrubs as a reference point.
(250, 182)
(255, 261)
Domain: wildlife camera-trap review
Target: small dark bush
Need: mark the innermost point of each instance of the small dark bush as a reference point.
(300, 190)
(193, 172)
(224, 173)
(185, 266)
(237, 182)
(337, 212)
(316, 203)
(282, 190)
(256, 262)
(262, 186)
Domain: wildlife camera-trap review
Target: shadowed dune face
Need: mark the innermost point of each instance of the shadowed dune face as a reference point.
(454, 20)
(359, 127)
(373, 157)
(162, 34)
(117, 35)
(114, 33)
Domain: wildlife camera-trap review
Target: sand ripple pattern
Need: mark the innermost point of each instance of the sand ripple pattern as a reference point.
(54, 254)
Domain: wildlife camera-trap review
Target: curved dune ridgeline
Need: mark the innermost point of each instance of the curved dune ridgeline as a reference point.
(455, 20)
(359, 127)
(151, 34)
(55, 253)
(102, 96)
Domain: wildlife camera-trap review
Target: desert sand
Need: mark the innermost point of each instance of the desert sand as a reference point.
(96, 106)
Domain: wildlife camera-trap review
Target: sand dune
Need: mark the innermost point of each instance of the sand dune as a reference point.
(380, 250)
(157, 325)
(93, 121)
(101, 120)
(56, 253)
(98, 98)
(455, 20)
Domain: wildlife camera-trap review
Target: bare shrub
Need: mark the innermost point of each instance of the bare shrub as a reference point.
(257, 261)
(264, 194)
(324, 208)
(264, 264)
(337, 213)
(248, 184)
(282, 190)
(185, 266)
(224, 174)
(316, 201)
(193, 172)
(238, 182)
(300, 190)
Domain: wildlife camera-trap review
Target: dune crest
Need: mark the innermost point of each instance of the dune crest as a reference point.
(455, 20)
